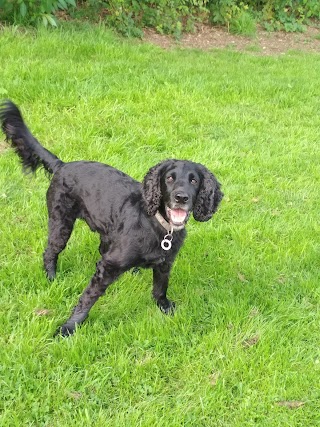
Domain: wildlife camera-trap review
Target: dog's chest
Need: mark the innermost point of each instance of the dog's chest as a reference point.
(156, 255)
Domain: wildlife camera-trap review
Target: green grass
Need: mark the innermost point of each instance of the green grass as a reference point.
(244, 24)
(246, 332)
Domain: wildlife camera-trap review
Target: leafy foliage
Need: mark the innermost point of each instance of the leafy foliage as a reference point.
(171, 16)
(288, 15)
(234, 14)
(175, 16)
(33, 11)
(167, 16)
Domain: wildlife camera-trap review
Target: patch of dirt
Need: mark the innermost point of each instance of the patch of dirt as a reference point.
(291, 404)
(3, 146)
(263, 43)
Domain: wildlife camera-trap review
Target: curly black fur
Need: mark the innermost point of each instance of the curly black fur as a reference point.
(151, 187)
(31, 153)
(119, 208)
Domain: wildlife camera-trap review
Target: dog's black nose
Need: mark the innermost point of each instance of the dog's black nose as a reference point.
(181, 198)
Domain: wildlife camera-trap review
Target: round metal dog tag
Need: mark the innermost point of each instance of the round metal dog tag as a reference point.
(166, 242)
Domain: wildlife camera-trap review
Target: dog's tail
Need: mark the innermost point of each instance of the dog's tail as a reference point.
(30, 151)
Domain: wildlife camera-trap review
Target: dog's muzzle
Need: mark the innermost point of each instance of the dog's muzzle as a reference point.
(177, 216)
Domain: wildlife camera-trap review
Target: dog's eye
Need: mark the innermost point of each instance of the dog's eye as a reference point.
(194, 181)
(170, 178)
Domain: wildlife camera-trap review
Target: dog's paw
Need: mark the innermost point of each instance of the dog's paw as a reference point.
(50, 273)
(167, 307)
(65, 331)
(51, 276)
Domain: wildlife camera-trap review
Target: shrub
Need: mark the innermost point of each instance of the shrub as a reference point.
(172, 16)
(167, 16)
(234, 14)
(32, 11)
(175, 16)
(289, 15)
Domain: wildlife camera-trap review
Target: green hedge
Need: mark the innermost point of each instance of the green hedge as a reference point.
(170, 16)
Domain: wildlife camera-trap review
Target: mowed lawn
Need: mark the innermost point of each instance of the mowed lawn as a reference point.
(244, 346)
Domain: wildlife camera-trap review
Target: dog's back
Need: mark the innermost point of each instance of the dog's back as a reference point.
(97, 192)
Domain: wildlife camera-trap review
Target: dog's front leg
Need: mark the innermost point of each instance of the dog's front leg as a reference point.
(105, 274)
(161, 274)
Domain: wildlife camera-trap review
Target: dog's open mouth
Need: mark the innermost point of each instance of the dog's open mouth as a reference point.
(177, 217)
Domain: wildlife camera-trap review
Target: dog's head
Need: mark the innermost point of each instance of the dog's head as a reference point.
(176, 188)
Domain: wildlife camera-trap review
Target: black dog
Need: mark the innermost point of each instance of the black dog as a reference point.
(140, 225)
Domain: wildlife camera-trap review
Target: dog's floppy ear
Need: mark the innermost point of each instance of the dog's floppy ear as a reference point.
(209, 196)
(151, 189)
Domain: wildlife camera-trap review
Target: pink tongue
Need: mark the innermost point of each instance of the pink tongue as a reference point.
(178, 215)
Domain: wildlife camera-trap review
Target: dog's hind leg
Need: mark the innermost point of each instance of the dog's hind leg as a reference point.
(106, 273)
(60, 229)
(63, 213)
